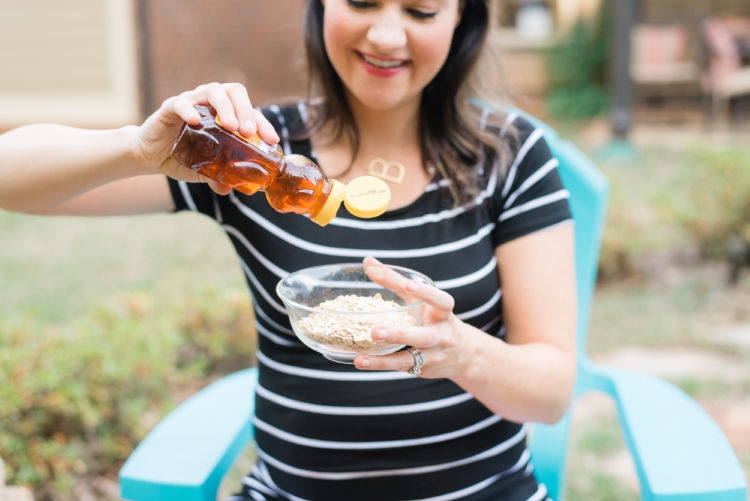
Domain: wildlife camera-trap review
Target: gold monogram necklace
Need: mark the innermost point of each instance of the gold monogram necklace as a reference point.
(387, 170)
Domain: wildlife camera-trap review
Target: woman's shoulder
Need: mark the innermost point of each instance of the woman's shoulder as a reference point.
(508, 122)
(289, 119)
(291, 123)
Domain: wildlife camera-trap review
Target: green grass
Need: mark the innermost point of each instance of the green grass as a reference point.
(57, 268)
(105, 324)
(594, 460)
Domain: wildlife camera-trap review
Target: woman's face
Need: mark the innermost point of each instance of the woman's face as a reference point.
(387, 51)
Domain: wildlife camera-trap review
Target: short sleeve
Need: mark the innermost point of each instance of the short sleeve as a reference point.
(531, 196)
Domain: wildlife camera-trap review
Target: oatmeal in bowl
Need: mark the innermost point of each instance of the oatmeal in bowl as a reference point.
(333, 309)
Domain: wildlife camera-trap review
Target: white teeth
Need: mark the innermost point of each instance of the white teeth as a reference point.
(380, 63)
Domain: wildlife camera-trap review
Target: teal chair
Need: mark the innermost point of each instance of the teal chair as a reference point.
(679, 452)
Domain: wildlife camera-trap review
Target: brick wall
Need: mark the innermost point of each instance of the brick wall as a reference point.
(189, 42)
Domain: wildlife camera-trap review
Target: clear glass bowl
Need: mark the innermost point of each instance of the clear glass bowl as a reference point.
(333, 308)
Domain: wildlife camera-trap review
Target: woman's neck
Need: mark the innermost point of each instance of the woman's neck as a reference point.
(386, 139)
(387, 133)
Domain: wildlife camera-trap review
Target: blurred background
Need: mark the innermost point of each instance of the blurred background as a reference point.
(106, 324)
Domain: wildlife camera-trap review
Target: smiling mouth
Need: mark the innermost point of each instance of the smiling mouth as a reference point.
(385, 64)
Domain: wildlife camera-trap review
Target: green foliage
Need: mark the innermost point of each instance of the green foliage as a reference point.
(76, 397)
(578, 69)
(672, 202)
(715, 210)
(637, 222)
(701, 387)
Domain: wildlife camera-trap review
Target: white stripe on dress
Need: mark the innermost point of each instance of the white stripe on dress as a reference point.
(337, 410)
(416, 470)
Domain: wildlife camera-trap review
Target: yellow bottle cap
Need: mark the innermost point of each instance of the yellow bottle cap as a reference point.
(367, 196)
(331, 205)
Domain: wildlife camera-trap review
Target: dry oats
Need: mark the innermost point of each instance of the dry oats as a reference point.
(352, 331)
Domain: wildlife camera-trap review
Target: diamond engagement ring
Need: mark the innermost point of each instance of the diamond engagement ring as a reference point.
(418, 362)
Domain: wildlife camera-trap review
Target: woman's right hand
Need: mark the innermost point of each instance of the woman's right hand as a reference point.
(234, 109)
(60, 169)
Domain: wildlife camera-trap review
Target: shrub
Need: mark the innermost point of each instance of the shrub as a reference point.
(669, 202)
(76, 398)
(715, 210)
(578, 69)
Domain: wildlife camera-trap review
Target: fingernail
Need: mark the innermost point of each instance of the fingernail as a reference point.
(249, 127)
(364, 362)
(379, 333)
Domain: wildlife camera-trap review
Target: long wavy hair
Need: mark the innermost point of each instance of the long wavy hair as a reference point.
(458, 135)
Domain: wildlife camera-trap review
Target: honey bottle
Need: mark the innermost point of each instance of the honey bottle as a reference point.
(292, 183)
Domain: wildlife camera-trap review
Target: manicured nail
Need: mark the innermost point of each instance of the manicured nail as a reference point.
(248, 128)
(364, 362)
(379, 333)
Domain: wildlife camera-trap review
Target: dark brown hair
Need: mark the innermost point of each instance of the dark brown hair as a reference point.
(451, 116)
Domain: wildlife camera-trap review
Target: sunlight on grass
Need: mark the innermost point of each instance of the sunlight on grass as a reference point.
(232, 482)
(599, 466)
(700, 387)
(55, 267)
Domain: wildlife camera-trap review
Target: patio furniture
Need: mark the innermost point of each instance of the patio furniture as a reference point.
(664, 62)
(679, 452)
(727, 74)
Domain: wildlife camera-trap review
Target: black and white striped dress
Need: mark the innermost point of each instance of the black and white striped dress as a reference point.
(326, 431)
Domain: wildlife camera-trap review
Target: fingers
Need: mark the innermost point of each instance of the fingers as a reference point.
(436, 334)
(422, 337)
(400, 361)
(407, 289)
(232, 105)
(220, 189)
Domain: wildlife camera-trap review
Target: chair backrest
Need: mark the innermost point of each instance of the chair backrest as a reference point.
(589, 190)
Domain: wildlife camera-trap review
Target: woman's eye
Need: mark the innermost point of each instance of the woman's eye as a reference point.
(360, 5)
(421, 14)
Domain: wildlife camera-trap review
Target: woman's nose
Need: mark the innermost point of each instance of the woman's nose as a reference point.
(387, 31)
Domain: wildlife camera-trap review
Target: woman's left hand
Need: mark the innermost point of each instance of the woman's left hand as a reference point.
(439, 338)
(529, 374)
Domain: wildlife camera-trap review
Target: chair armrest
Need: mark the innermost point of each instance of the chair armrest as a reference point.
(680, 453)
(186, 455)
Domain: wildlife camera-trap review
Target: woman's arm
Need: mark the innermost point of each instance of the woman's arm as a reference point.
(44, 165)
(530, 375)
(56, 169)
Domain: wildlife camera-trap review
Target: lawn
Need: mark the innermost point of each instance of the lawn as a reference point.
(60, 267)
(661, 308)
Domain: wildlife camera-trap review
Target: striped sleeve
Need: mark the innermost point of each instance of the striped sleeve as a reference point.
(531, 197)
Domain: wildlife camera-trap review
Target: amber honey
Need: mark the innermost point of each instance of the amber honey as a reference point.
(292, 183)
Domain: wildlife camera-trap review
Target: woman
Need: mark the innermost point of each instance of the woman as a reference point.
(480, 209)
